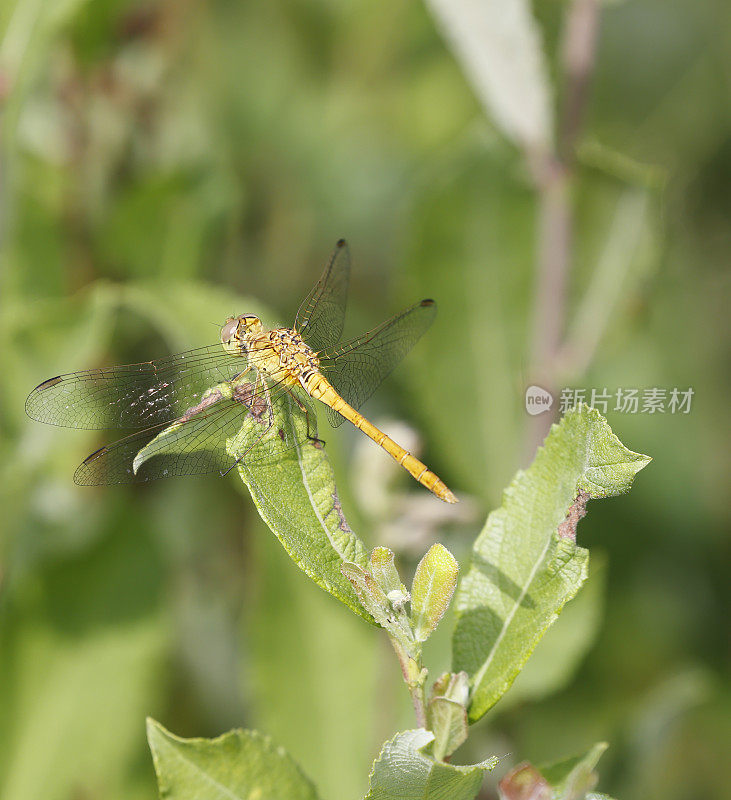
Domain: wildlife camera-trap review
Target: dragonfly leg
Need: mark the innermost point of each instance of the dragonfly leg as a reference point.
(314, 439)
(249, 449)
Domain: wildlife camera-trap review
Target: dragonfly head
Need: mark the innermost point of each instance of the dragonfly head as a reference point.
(236, 331)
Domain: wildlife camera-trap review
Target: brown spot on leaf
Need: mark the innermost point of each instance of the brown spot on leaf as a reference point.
(212, 398)
(257, 405)
(338, 509)
(567, 529)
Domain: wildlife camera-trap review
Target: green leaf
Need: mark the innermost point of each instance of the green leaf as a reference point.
(557, 657)
(572, 778)
(384, 571)
(385, 612)
(447, 714)
(448, 721)
(370, 594)
(526, 564)
(434, 584)
(240, 765)
(620, 268)
(403, 771)
(296, 497)
(596, 154)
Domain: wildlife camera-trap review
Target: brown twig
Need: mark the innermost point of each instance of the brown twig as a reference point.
(552, 262)
(579, 52)
(553, 176)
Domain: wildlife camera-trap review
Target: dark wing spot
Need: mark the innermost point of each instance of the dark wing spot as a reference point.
(47, 384)
(94, 455)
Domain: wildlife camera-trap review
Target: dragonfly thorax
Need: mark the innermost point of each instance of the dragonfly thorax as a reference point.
(281, 354)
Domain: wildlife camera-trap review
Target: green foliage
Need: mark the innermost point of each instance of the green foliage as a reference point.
(296, 496)
(447, 714)
(387, 613)
(243, 764)
(573, 777)
(163, 164)
(77, 654)
(239, 765)
(526, 564)
(383, 569)
(403, 771)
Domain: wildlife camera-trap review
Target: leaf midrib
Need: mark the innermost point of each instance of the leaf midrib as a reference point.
(477, 680)
(480, 674)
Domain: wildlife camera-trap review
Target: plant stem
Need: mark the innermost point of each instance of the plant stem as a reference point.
(578, 56)
(553, 256)
(412, 670)
(553, 175)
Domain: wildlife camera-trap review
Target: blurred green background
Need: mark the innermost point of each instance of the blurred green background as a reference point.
(167, 164)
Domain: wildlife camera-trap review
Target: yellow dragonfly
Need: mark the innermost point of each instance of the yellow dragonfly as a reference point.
(185, 410)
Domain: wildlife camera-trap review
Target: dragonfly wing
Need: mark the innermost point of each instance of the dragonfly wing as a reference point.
(132, 395)
(194, 447)
(321, 316)
(357, 368)
(251, 427)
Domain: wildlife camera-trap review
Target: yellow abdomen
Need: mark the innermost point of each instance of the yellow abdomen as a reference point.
(318, 386)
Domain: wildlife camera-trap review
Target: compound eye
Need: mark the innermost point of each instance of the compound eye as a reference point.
(228, 331)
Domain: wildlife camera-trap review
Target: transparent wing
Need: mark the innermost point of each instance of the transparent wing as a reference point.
(133, 395)
(197, 447)
(208, 439)
(321, 316)
(357, 368)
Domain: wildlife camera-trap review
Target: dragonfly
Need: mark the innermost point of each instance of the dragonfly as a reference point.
(186, 411)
